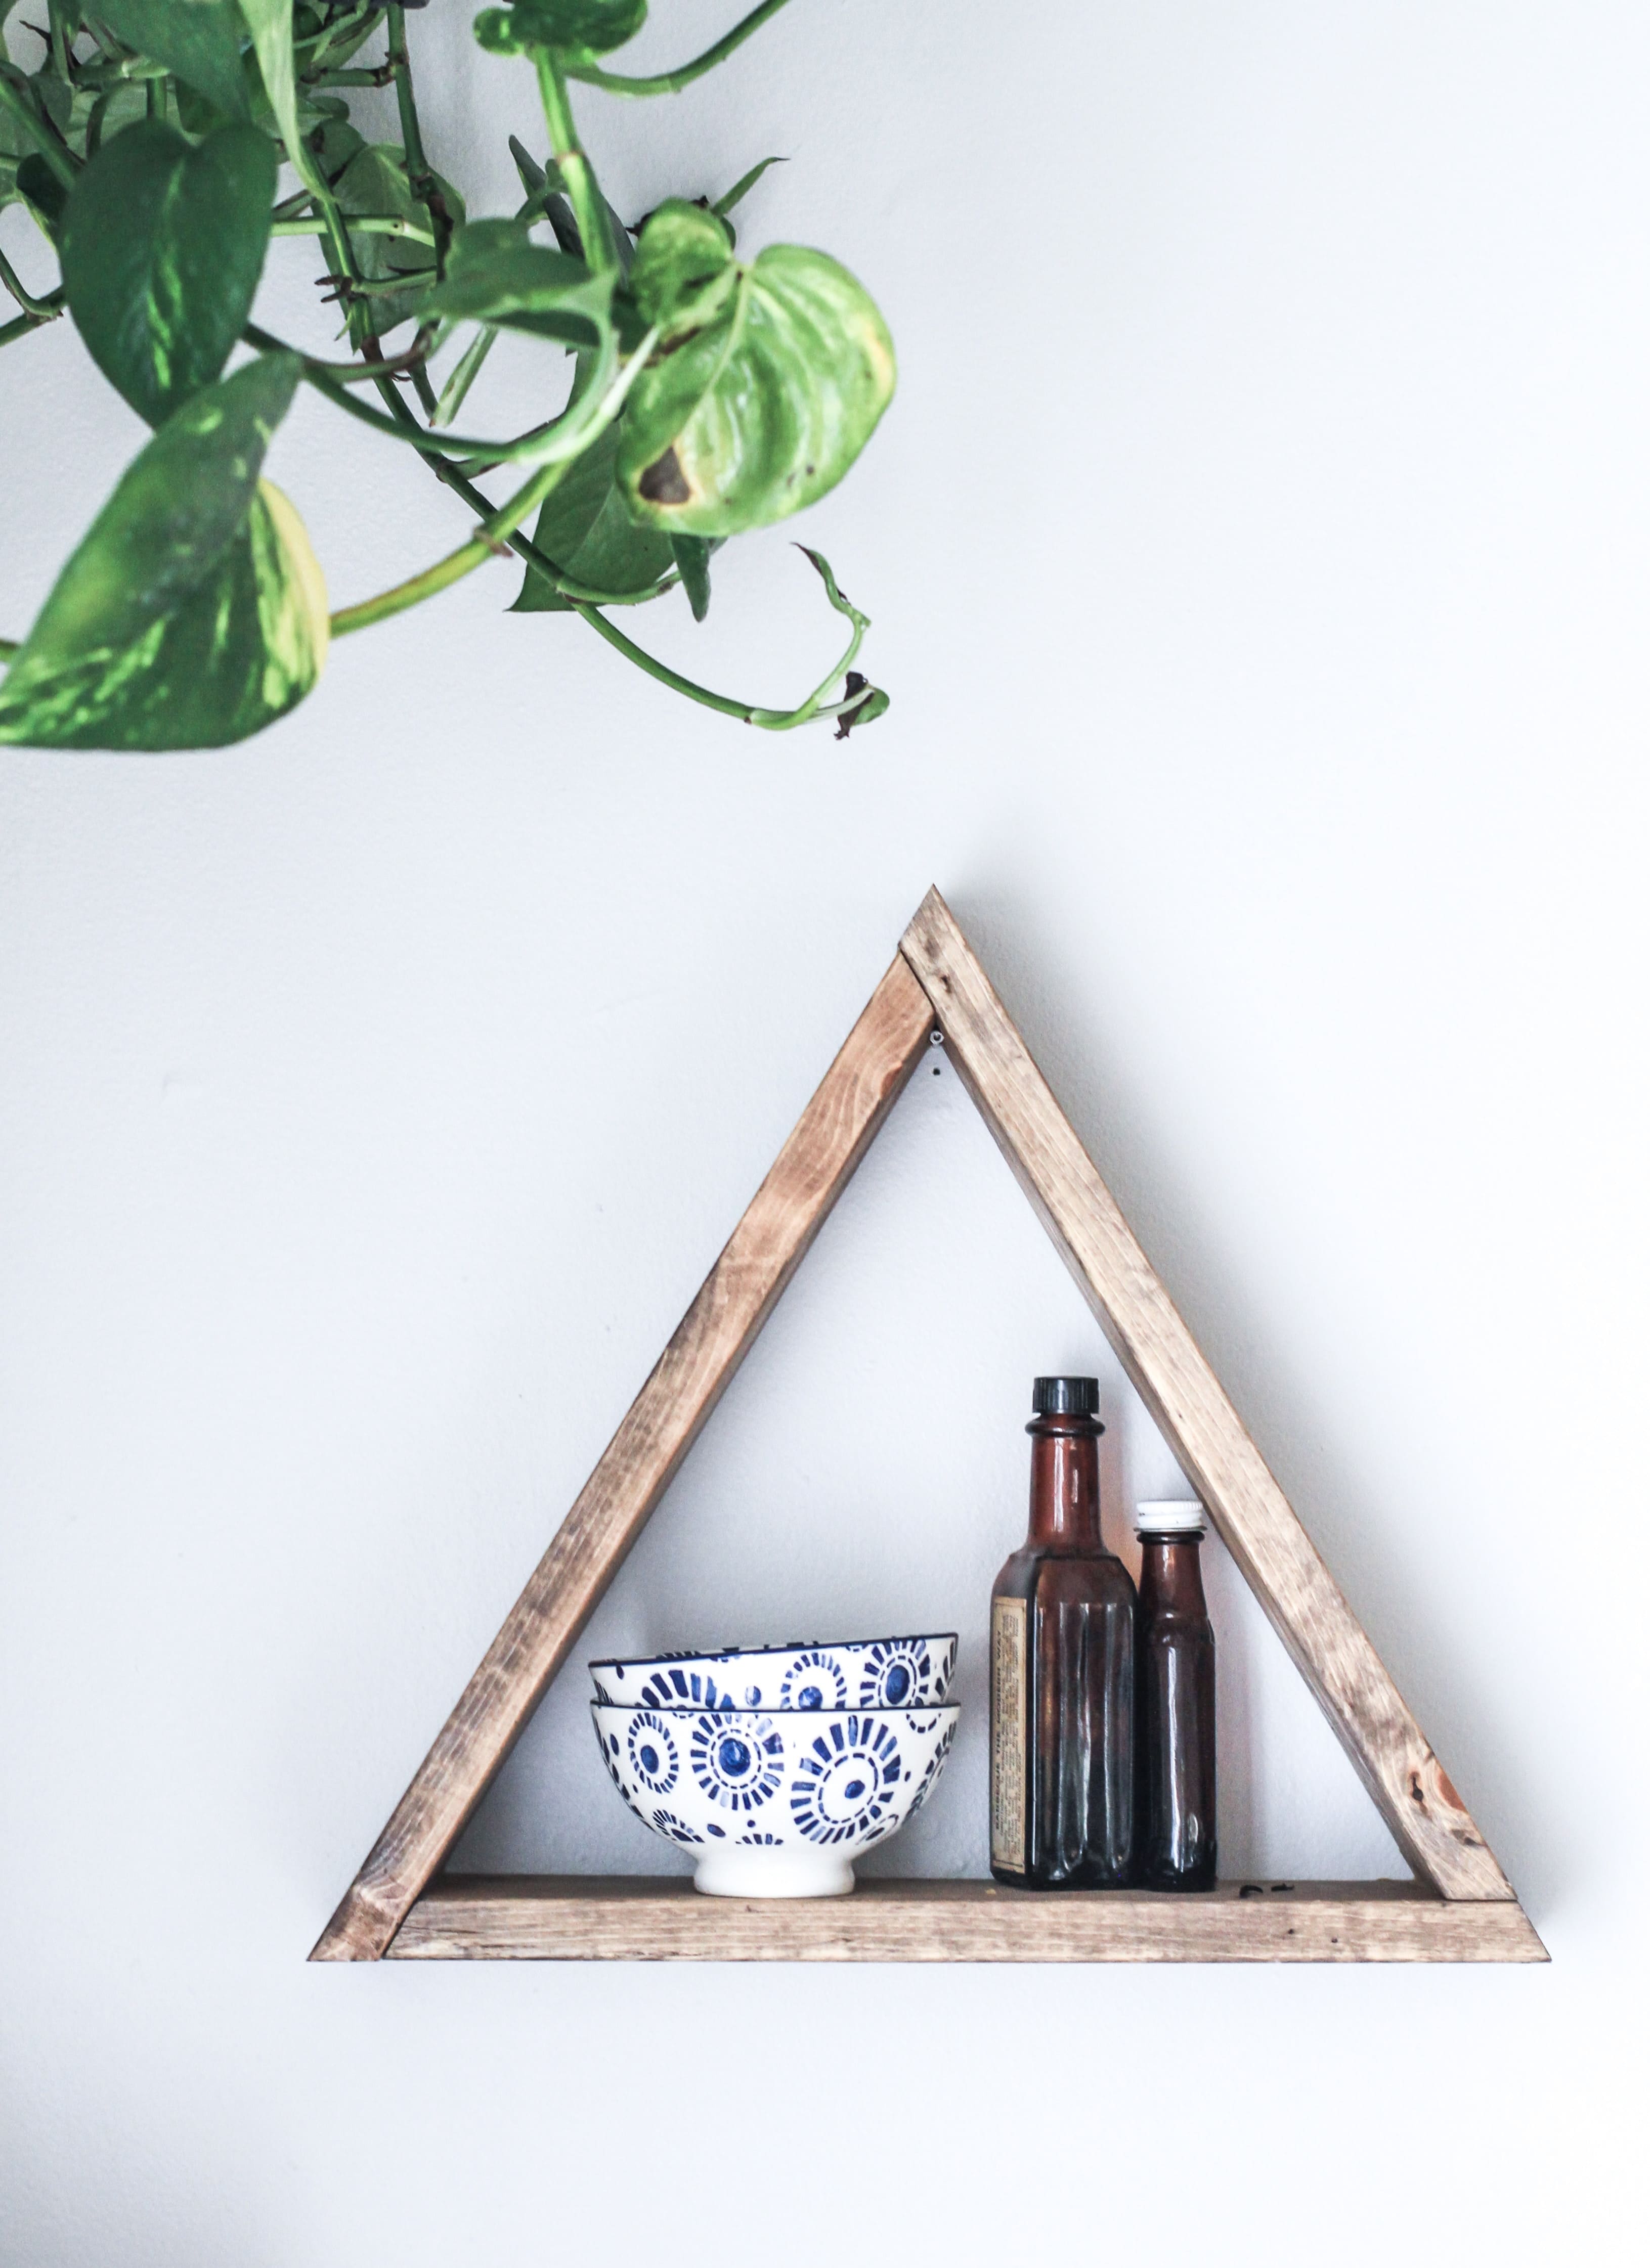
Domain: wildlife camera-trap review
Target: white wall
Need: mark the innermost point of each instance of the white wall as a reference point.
(1259, 558)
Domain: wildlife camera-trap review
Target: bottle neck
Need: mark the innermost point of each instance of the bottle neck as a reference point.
(1171, 1575)
(1066, 1483)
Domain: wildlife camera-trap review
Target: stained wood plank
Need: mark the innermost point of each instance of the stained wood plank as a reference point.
(1430, 1822)
(592, 1918)
(709, 1345)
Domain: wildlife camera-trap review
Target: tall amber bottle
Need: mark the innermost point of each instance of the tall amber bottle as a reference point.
(1176, 1791)
(1063, 1670)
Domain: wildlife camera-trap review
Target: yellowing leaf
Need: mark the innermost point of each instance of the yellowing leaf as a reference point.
(763, 410)
(192, 613)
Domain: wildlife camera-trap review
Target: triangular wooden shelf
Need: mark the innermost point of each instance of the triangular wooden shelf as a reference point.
(1461, 1907)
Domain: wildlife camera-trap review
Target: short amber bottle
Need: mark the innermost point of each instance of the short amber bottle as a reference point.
(1063, 1670)
(1176, 1800)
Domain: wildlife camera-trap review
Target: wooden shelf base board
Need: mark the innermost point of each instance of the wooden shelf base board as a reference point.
(643, 1918)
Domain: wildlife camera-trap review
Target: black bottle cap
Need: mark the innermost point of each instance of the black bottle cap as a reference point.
(1065, 1397)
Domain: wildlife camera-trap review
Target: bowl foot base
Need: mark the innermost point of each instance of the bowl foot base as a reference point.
(764, 1873)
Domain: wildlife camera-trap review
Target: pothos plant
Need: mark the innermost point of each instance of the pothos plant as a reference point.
(707, 394)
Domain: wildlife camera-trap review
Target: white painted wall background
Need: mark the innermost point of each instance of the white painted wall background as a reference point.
(1258, 549)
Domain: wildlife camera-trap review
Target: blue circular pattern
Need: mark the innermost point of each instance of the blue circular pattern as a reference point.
(738, 1769)
(814, 1680)
(667, 1823)
(845, 1783)
(685, 1689)
(897, 1674)
(654, 1757)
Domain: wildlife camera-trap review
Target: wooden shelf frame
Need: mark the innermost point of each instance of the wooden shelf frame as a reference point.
(644, 1918)
(397, 1906)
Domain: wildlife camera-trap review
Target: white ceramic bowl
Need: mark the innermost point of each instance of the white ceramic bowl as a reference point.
(865, 1673)
(775, 1803)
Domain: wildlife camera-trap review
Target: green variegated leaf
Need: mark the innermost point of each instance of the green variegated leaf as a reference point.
(192, 613)
(496, 273)
(594, 27)
(162, 247)
(766, 407)
(199, 40)
(584, 528)
(684, 268)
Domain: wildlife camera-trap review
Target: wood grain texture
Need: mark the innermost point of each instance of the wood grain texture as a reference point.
(1427, 1818)
(711, 1342)
(630, 1917)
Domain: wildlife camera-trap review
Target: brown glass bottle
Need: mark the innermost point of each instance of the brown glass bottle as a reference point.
(1063, 1670)
(1176, 1788)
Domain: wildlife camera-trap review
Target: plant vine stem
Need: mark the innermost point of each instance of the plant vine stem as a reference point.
(672, 82)
(420, 179)
(342, 250)
(465, 372)
(41, 310)
(21, 326)
(501, 521)
(766, 720)
(362, 332)
(378, 76)
(334, 379)
(40, 134)
(589, 209)
(321, 44)
(369, 224)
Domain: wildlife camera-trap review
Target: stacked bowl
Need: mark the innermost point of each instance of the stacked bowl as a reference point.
(778, 1763)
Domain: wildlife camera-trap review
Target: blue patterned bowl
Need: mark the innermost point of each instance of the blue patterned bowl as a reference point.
(775, 1804)
(864, 1673)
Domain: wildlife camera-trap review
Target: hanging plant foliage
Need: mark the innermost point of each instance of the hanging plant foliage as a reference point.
(691, 394)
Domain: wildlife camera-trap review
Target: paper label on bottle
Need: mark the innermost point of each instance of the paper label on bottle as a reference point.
(1008, 1734)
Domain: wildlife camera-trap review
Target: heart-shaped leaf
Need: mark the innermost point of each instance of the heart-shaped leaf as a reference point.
(684, 268)
(199, 40)
(192, 613)
(375, 182)
(496, 273)
(595, 26)
(162, 248)
(765, 409)
(585, 528)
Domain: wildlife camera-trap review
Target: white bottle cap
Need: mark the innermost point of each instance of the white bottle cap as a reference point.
(1169, 1519)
